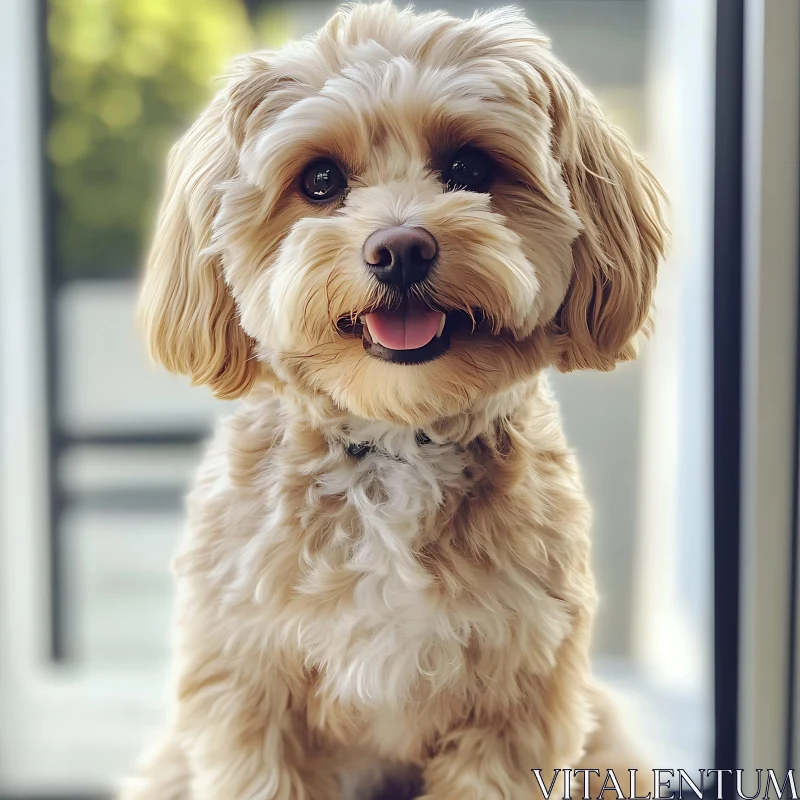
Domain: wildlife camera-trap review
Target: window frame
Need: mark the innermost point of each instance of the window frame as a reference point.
(771, 159)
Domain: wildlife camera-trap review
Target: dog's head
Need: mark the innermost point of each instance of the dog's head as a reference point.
(405, 213)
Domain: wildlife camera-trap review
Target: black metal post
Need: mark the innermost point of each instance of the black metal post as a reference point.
(727, 324)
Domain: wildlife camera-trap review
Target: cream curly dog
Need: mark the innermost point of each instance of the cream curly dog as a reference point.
(379, 238)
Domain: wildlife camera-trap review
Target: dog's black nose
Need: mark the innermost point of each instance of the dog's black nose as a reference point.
(400, 256)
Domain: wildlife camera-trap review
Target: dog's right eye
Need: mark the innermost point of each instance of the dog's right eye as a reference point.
(323, 180)
(469, 169)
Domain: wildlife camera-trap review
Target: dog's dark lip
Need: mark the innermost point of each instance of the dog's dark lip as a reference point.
(437, 347)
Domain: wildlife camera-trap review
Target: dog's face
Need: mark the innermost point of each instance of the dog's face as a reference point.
(405, 214)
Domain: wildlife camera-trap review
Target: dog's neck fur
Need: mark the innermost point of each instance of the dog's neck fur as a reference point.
(357, 435)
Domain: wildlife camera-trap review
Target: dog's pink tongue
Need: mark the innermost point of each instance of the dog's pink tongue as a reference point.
(406, 328)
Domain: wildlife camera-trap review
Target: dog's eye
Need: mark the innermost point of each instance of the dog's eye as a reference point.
(323, 180)
(470, 169)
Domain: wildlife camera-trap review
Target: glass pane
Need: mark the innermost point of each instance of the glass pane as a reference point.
(91, 471)
(106, 381)
(123, 513)
(119, 587)
(125, 77)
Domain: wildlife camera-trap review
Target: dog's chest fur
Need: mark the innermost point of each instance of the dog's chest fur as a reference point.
(392, 627)
(358, 579)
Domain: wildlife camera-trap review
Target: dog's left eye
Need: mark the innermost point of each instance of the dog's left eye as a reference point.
(323, 180)
(470, 169)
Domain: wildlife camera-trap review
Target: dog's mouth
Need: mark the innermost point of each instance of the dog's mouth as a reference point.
(410, 332)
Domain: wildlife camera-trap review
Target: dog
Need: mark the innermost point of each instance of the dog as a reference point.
(379, 238)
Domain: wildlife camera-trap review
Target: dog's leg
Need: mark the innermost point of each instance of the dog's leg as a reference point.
(483, 764)
(162, 775)
(241, 739)
(609, 747)
(543, 726)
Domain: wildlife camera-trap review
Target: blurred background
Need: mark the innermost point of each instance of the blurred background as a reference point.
(98, 445)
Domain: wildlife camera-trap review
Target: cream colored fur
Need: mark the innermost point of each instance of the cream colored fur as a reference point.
(426, 608)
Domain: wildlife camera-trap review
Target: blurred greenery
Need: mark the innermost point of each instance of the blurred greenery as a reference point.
(126, 78)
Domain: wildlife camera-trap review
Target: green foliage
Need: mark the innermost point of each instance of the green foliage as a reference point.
(127, 76)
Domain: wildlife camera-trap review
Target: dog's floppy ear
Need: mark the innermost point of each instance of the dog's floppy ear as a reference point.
(189, 315)
(607, 305)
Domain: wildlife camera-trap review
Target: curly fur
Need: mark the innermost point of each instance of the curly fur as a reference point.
(425, 611)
